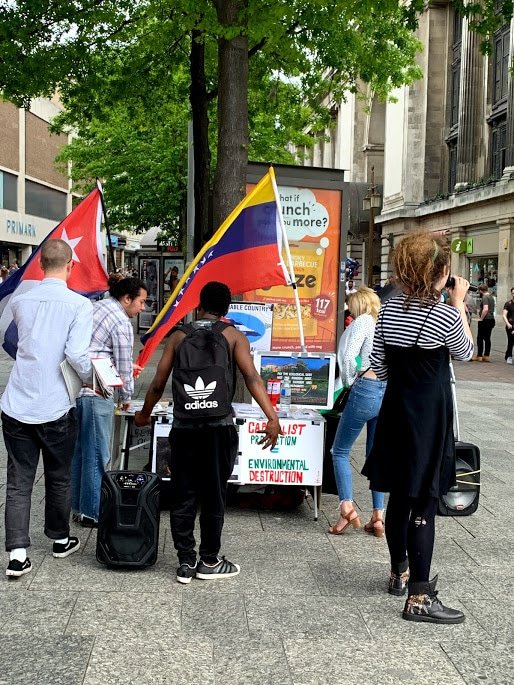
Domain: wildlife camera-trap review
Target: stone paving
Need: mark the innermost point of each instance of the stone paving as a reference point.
(307, 608)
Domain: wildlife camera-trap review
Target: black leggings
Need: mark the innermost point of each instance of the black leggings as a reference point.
(410, 532)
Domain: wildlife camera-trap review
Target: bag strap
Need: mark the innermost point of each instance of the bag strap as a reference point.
(361, 373)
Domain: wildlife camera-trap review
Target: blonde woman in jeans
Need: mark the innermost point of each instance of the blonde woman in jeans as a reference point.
(362, 408)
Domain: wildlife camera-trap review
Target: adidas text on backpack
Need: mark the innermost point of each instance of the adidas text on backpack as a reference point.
(203, 381)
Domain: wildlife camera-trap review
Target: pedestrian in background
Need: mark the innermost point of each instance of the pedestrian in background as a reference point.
(113, 337)
(508, 317)
(413, 454)
(4, 274)
(53, 324)
(486, 323)
(362, 407)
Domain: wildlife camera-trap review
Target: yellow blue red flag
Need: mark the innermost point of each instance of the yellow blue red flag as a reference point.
(244, 253)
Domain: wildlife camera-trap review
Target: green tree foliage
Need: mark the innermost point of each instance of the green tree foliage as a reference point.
(122, 68)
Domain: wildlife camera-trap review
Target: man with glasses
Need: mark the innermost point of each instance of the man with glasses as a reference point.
(54, 324)
(113, 338)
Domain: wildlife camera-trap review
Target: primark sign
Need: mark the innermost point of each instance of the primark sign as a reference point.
(20, 228)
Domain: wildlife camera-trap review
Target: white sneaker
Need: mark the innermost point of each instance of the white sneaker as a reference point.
(509, 360)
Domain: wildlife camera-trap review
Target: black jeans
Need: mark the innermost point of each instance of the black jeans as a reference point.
(201, 462)
(485, 328)
(410, 533)
(24, 441)
(510, 341)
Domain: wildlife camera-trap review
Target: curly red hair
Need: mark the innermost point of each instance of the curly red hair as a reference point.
(419, 261)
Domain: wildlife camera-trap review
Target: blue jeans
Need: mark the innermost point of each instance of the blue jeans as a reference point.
(362, 407)
(92, 453)
(24, 443)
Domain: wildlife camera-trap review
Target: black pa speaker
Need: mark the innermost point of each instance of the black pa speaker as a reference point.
(462, 499)
(128, 525)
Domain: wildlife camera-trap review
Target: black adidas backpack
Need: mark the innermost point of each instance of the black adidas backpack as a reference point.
(203, 379)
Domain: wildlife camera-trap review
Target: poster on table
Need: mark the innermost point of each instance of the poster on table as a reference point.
(311, 376)
(296, 459)
(312, 218)
(161, 450)
(149, 274)
(254, 319)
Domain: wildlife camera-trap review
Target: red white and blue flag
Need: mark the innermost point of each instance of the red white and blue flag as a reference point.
(81, 230)
(244, 253)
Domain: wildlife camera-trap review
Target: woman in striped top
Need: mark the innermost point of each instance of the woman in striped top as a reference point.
(413, 456)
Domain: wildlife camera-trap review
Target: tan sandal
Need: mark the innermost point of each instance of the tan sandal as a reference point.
(351, 519)
(375, 528)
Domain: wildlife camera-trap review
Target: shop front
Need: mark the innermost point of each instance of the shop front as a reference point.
(20, 234)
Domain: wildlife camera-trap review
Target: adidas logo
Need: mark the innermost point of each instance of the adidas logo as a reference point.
(199, 393)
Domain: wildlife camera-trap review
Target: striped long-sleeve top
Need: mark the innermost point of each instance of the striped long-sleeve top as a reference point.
(113, 337)
(397, 325)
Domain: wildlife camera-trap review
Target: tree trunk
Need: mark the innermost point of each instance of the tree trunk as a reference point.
(202, 155)
(230, 175)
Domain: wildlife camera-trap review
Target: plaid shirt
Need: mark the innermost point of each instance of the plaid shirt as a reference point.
(113, 337)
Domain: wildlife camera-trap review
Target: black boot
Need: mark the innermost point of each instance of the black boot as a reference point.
(399, 578)
(423, 605)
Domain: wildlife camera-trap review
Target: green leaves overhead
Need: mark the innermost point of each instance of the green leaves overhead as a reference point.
(122, 70)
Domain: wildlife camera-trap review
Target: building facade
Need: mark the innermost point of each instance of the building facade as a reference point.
(444, 150)
(34, 195)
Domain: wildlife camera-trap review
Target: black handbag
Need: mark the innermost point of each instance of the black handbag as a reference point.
(341, 400)
(343, 396)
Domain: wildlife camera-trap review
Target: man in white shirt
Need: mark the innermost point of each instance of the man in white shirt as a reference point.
(350, 288)
(53, 324)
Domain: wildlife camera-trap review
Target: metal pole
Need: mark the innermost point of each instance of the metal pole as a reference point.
(370, 241)
(106, 224)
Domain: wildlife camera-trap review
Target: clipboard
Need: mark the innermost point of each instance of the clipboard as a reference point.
(105, 376)
(72, 380)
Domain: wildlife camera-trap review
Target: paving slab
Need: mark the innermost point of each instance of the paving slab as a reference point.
(44, 613)
(44, 659)
(482, 663)
(389, 661)
(125, 614)
(158, 659)
(259, 659)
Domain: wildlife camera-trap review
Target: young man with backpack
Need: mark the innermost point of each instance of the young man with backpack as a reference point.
(203, 440)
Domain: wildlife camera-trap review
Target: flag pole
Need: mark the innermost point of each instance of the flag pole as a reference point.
(292, 276)
(106, 223)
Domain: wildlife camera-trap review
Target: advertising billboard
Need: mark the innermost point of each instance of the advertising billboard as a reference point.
(312, 218)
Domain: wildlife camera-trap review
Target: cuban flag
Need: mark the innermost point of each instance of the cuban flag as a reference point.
(244, 253)
(81, 230)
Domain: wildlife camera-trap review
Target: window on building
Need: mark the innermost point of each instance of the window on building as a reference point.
(8, 191)
(501, 64)
(498, 146)
(455, 69)
(454, 98)
(44, 202)
(452, 164)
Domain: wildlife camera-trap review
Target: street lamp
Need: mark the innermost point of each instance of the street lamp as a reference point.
(369, 204)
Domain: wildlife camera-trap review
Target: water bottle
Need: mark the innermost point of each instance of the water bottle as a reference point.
(285, 395)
